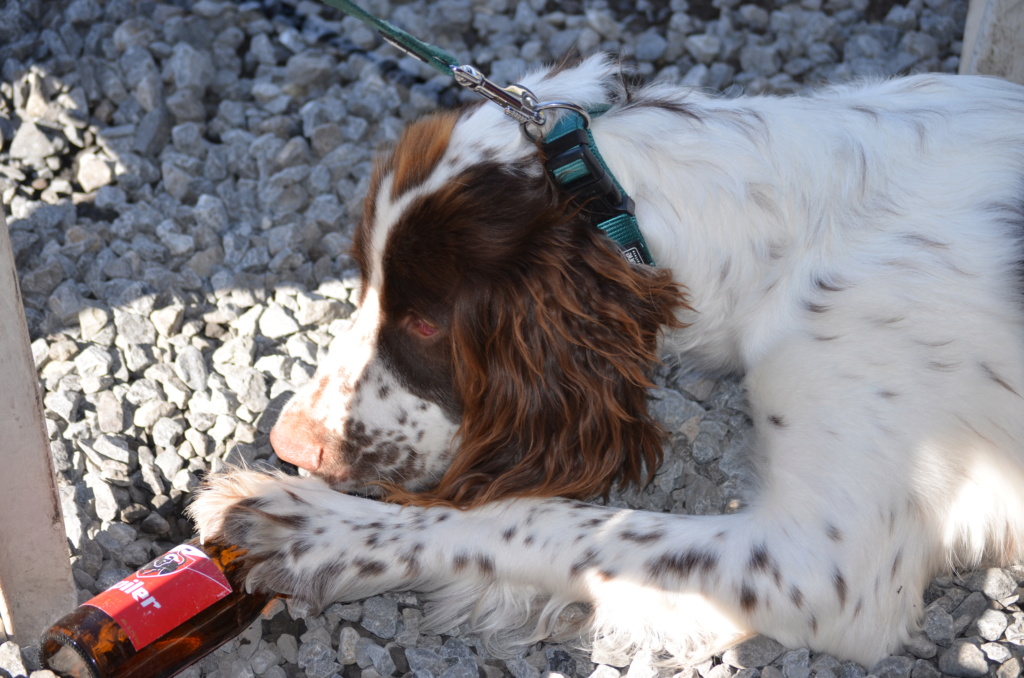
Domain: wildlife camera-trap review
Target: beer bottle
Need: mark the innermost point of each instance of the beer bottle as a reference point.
(156, 622)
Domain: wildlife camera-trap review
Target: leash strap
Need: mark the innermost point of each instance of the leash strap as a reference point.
(574, 163)
(435, 57)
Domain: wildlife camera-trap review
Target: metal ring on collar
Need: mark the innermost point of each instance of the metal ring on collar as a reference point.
(549, 105)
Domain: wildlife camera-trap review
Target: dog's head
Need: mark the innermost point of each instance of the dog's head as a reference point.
(502, 344)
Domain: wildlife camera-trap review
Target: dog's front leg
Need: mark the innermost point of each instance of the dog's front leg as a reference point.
(506, 565)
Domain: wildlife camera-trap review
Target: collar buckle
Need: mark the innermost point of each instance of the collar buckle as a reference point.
(573, 163)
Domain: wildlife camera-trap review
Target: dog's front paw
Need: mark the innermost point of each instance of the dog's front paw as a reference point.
(266, 515)
(223, 505)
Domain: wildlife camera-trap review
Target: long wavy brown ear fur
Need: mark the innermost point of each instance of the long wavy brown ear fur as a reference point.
(551, 367)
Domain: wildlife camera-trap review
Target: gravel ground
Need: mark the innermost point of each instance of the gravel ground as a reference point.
(181, 181)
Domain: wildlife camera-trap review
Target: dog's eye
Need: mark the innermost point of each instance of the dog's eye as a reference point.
(422, 326)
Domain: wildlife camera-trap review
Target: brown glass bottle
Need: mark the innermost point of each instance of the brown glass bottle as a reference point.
(90, 643)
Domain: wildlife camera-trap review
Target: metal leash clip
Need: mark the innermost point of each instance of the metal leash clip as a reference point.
(517, 102)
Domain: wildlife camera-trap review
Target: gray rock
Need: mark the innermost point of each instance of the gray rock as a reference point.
(925, 669)
(757, 651)
(169, 462)
(754, 16)
(167, 320)
(763, 60)
(94, 361)
(115, 448)
(938, 625)
(317, 659)
(995, 583)
(83, 11)
(919, 45)
(210, 213)
(796, 664)
(705, 48)
(185, 105)
(66, 302)
(423, 659)
(969, 610)
(863, 47)
(369, 653)
(996, 652)
(893, 667)
(520, 668)
(249, 386)
(944, 28)
(650, 46)
(63, 403)
(901, 17)
(137, 553)
(191, 367)
(33, 145)
(463, 668)
(168, 432)
(456, 649)
(380, 616)
(964, 660)
(94, 171)
(257, 257)
(671, 409)
(43, 280)
(150, 412)
(156, 524)
(107, 500)
(153, 131)
(309, 69)
(276, 322)
(93, 320)
(851, 670)
(921, 646)
(134, 328)
(1015, 631)
(1011, 668)
(319, 312)
(185, 481)
(11, 660)
(824, 664)
(991, 624)
(347, 642)
(190, 68)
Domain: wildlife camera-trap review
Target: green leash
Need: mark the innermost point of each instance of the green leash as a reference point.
(435, 57)
(573, 161)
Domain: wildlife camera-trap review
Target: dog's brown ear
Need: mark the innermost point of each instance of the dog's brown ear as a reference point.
(551, 367)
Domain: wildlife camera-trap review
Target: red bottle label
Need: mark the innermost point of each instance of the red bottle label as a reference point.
(176, 586)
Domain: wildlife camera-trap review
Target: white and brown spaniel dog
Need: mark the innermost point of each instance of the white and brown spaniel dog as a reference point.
(856, 254)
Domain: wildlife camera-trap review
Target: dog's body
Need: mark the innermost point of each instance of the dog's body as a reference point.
(856, 254)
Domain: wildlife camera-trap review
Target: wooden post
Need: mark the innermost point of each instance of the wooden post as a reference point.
(994, 39)
(36, 586)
